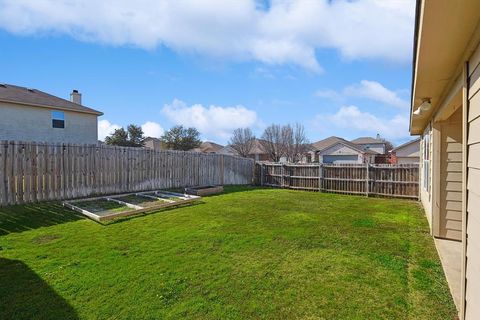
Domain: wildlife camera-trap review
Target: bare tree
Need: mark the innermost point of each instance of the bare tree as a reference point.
(272, 141)
(289, 141)
(294, 142)
(301, 143)
(287, 144)
(242, 141)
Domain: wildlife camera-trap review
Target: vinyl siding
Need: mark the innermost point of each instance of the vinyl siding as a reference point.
(472, 290)
(29, 123)
(450, 218)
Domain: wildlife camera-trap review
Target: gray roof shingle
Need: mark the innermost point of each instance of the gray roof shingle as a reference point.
(367, 140)
(34, 97)
(406, 144)
(331, 141)
(208, 147)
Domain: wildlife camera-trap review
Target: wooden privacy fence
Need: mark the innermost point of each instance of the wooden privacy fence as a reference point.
(32, 172)
(400, 180)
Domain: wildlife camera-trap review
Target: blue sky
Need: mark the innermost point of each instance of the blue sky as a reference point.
(338, 67)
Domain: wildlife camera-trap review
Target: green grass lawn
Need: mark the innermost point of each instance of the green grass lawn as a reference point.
(247, 254)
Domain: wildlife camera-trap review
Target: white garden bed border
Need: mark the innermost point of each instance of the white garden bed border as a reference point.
(136, 209)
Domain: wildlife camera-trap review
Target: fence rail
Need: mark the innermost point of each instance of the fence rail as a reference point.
(31, 172)
(400, 180)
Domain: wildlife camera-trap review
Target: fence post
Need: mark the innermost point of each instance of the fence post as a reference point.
(222, 169)
(261, 174)
(367, 180)
(320, 177)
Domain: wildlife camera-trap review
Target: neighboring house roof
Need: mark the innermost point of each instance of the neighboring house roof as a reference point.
(331, 141)
(155, 140)
(152, 139)
(208, 147)
(406, 144)
(257, 149)
(227, 150)
(36, 98)
(367, 140)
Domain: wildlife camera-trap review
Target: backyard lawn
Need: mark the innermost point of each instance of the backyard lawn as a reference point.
(247, 254)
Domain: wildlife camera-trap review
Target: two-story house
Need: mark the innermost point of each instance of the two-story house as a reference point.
(33, 115)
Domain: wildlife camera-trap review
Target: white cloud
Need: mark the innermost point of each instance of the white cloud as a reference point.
(287, 32)
(329, 94)
(106, 128)
(213, 121)
(350, 120)
(377, 92)
(152, 129)
(372, 90)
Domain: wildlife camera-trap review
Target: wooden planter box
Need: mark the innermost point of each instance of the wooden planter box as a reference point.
(204, 191)
(164, 198)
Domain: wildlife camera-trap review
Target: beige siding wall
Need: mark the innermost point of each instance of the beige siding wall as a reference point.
(410, 150)
(472, 294)
(25, 123)
(409, 153)
(450, 217)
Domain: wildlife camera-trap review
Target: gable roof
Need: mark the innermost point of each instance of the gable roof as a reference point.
(367, 140)
(331, 141)
(406, 144)
(36, 98)
(208, 147)
(227, 150)
(151, 138)
(258, 147)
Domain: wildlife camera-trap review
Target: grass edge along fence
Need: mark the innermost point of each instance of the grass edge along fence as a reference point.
(399, 181)
(33, 171)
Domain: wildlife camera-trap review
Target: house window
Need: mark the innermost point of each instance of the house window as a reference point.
(58, 119)
(426, 161)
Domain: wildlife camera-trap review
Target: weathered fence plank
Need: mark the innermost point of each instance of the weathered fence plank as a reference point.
(363, 179)
(32, 171)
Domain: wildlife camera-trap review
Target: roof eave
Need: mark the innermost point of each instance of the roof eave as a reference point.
(91, 111)
(418, 8)
(446, 34)
(342, 143)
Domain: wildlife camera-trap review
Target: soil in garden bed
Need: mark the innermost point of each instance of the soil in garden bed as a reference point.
(102, 206)
(142, 201)
(166, 197)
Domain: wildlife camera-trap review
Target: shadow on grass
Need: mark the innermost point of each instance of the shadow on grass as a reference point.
(24, 295)
(21, 218)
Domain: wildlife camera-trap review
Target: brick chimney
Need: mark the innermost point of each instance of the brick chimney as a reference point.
(76, 97)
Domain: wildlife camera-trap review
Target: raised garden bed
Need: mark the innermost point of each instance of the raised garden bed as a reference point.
(122, 205)
(204, 191)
